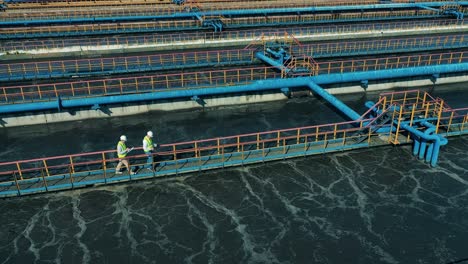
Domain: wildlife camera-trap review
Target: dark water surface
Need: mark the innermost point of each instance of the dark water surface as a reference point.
(377, 205)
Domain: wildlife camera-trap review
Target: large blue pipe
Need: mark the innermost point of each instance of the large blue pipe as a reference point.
(334, 101)
(261, 85)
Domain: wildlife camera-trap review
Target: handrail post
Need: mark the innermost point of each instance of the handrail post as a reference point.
(278, 139)
(258, 140)
(450, 121)
(411, 119)
(71, 164)
(284, 146)
(19, 170)
(44, 180)
(439, 115)
(104, 166)
(298, 135)
(17, 184)
(45, 166)
(72, 181)
(334, 131)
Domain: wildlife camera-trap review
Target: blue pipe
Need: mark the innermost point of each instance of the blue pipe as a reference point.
(422, 148)
(429, 153)
(434, 152)
(259, 55)
(417, 143)
(428, 8)
(438, 141)
(335, 101)
(260, 85)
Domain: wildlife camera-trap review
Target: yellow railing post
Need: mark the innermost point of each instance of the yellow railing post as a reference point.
(104, 164)
(427, 110)
(334, 131)
(17, 184)
(238, 143)
(44, 180)
(411, 120)
(278, 139)
(45, 166)
(19, 170)
(196, 149)
(450, 121)
(439, 115)
(465, 119)
(258, 140)
(174, 151)
(72, 181)
(398, 126)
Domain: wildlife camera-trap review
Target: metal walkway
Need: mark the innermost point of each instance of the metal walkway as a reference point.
(193, 25)
(193, 38)
(124, 65)
(16, 95)
(186, 60)
(380, 125)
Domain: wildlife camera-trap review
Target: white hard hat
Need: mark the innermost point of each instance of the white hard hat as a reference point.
(149, 133)
(123, 138)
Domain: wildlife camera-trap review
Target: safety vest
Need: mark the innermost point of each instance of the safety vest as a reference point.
(149, 144)
(124, 148)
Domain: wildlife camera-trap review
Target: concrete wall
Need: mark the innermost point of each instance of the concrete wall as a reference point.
(125, 110)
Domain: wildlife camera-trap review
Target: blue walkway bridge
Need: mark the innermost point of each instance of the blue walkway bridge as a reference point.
(410, 117)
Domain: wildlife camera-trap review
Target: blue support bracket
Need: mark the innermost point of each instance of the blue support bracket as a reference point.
(365, 84)
(59, 103)
(434, 77)
(96, 107)
(178, 2)
(198, 100)
(286, 91)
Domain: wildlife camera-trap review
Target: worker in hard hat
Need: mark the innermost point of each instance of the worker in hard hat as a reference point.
(122, 152)
(148, 148)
